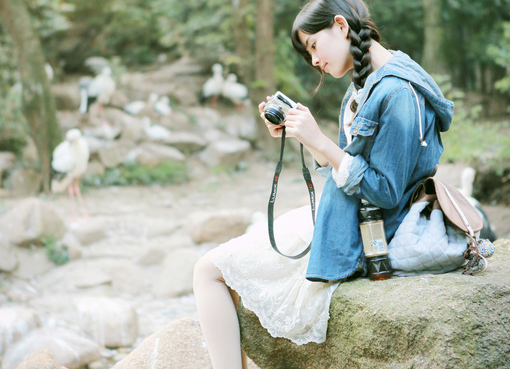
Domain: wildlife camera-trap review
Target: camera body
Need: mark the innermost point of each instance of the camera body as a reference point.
(277, 107)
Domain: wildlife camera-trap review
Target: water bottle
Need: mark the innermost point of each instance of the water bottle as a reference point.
(374, 241)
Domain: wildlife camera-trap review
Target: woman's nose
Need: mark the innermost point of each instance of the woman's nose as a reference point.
(315, 60)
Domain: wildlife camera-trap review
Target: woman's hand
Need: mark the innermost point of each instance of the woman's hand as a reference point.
(302, 125)
(274, 129)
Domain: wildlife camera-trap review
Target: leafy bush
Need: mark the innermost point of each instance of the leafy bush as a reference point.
(501, 54)
(134, 174)
(56, 252)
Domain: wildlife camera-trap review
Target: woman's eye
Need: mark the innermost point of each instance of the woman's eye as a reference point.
(313, 46)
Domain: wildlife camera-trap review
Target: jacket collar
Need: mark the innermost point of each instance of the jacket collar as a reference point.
(403, 67)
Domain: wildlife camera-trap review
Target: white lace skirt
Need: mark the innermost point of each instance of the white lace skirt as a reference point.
(274, 287)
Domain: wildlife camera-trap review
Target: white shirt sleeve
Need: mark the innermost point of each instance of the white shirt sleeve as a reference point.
(340, 176)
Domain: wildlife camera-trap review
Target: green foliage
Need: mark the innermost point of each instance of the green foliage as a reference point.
(55, 251)
(500, 52)
(469, 140)
(134, 174)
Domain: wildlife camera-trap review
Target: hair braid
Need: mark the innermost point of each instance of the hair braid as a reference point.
(359, 49)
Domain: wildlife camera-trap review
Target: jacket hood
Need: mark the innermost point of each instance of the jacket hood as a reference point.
(403, 67)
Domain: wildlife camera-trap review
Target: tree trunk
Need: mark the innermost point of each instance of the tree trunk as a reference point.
(242, 40)
(433, 61)
(37, 102)
(264, 67)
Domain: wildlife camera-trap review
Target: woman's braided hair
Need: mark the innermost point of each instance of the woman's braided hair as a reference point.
(320, 14)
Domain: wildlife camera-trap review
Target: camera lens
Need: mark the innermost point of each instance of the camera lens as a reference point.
(273, 115)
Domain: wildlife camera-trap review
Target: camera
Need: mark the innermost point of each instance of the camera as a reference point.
(277, 107)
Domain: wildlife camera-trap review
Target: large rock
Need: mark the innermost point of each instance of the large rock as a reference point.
(109, 322)
(179, 345)
(219, 226)
(41, 359)
(15, 322)
(8, 257)
(176, 278)
(31, 221)
(25, 182)
(225, 153)
(431, 321)
(115, 153)
(32, 262)
(66, 347)
(185, 142)
(89, 231)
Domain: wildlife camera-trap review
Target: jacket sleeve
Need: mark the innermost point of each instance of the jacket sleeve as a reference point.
(395, 151)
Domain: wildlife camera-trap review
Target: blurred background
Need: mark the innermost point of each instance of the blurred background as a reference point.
(164, 94)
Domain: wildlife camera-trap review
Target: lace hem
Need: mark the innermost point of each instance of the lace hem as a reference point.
(274, 287)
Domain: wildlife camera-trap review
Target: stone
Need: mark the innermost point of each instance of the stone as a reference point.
(15, 322)
(115, 153)
(176, 277)
(185, 142)
(25, 182)
(95, 279)
(66, 347)
(225, 153)
(41, 359)
(153, 255)
(89, 231)
(127, 277)
(31, 221)
(163, 152)
(178, 345)
(8, 257)
(67, 96)
(95, 168)
(219, 226)
(119, 99)
(110, 322)
(430, 321)
(68, 120)
(32, 262)
(74, 248)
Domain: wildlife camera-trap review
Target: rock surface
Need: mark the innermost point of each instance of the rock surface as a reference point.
(67, 347)
(40, 359)
(431, 321)
(30, 222)
(179, 345)
(110, 322)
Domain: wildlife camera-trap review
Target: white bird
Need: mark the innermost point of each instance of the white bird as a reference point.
(162, 106)
(467, 180)
(156, 132)
(143, 108)
(96, 63)
(100, 89)
(234, 91)
(212, 87)
(70, 160)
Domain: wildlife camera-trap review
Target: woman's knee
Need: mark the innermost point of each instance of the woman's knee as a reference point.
(205, 271)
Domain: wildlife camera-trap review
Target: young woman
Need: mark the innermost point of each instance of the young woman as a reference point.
(389, 141)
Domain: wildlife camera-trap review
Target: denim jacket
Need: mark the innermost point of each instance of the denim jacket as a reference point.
(388, 162)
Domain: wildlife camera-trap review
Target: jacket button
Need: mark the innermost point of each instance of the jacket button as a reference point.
(355, 130)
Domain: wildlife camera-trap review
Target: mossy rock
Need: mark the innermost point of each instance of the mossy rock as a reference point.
(431, 321)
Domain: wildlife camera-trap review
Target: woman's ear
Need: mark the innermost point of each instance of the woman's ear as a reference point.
(341, 22)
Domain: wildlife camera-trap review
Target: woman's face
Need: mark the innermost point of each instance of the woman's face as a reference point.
(329, 48)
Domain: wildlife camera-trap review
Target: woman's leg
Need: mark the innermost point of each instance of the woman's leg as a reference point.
(216, 306)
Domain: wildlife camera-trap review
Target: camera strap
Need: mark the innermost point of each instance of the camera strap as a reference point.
(272, 198)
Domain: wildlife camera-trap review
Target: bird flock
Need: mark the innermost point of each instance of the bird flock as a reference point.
(70, 158)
